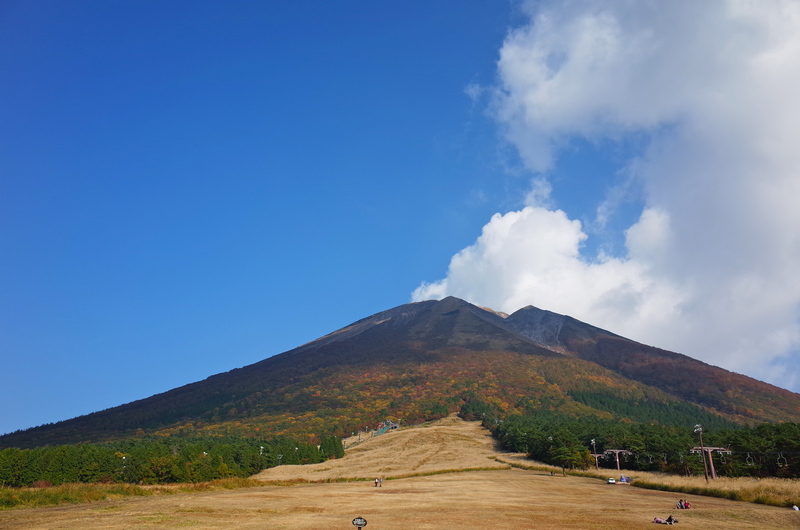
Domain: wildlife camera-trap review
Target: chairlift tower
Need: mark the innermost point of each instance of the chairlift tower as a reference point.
(707, 452)
(616, 453)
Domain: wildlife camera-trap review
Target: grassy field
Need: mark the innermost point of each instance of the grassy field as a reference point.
(83, 493)
(772, 491)
(445, 475)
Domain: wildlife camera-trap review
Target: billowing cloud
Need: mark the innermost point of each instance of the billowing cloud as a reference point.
(708, 91)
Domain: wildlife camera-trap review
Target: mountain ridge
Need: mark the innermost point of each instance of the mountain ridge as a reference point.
(423, 360)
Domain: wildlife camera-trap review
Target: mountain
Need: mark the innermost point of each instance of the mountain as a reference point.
(423, 360)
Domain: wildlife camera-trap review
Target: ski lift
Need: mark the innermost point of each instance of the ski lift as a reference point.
(782, 461)
(722, 459)
(749, 460)
(665, 458)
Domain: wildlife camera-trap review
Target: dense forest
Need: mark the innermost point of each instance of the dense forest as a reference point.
(768, 449)
(158, 460)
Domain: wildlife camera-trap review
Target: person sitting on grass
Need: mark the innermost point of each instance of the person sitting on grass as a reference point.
(668, 520)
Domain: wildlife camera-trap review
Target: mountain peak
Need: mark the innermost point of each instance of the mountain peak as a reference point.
(426, 358)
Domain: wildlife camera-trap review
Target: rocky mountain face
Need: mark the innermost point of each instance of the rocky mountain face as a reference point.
(423, 360)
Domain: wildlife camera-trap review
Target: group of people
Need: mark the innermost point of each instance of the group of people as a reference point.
(684, 505)
(379, 482)
(681, 505)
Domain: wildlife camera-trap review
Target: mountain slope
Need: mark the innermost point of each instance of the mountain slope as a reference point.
(423, 360)
(741, 397)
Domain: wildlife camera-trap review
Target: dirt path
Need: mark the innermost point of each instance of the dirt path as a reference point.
(502, 498)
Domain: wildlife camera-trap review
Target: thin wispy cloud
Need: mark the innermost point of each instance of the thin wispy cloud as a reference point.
(708, 90)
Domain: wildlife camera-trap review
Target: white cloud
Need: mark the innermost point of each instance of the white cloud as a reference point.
(710, 90)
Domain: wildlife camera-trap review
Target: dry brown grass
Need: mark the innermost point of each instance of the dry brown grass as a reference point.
(312, 497)
(771, 491)
(449, 444)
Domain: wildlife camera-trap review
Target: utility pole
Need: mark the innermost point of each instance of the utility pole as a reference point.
(595, 455)
(699, 429)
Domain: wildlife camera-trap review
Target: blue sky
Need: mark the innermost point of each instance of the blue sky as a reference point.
(190, 187)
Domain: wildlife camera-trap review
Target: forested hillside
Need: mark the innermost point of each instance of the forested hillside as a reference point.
(559, 439)
(158, 460)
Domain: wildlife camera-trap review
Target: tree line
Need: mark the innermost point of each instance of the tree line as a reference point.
(158, 460)
(768, 449)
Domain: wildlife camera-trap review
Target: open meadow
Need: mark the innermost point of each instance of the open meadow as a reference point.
(447, 474)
